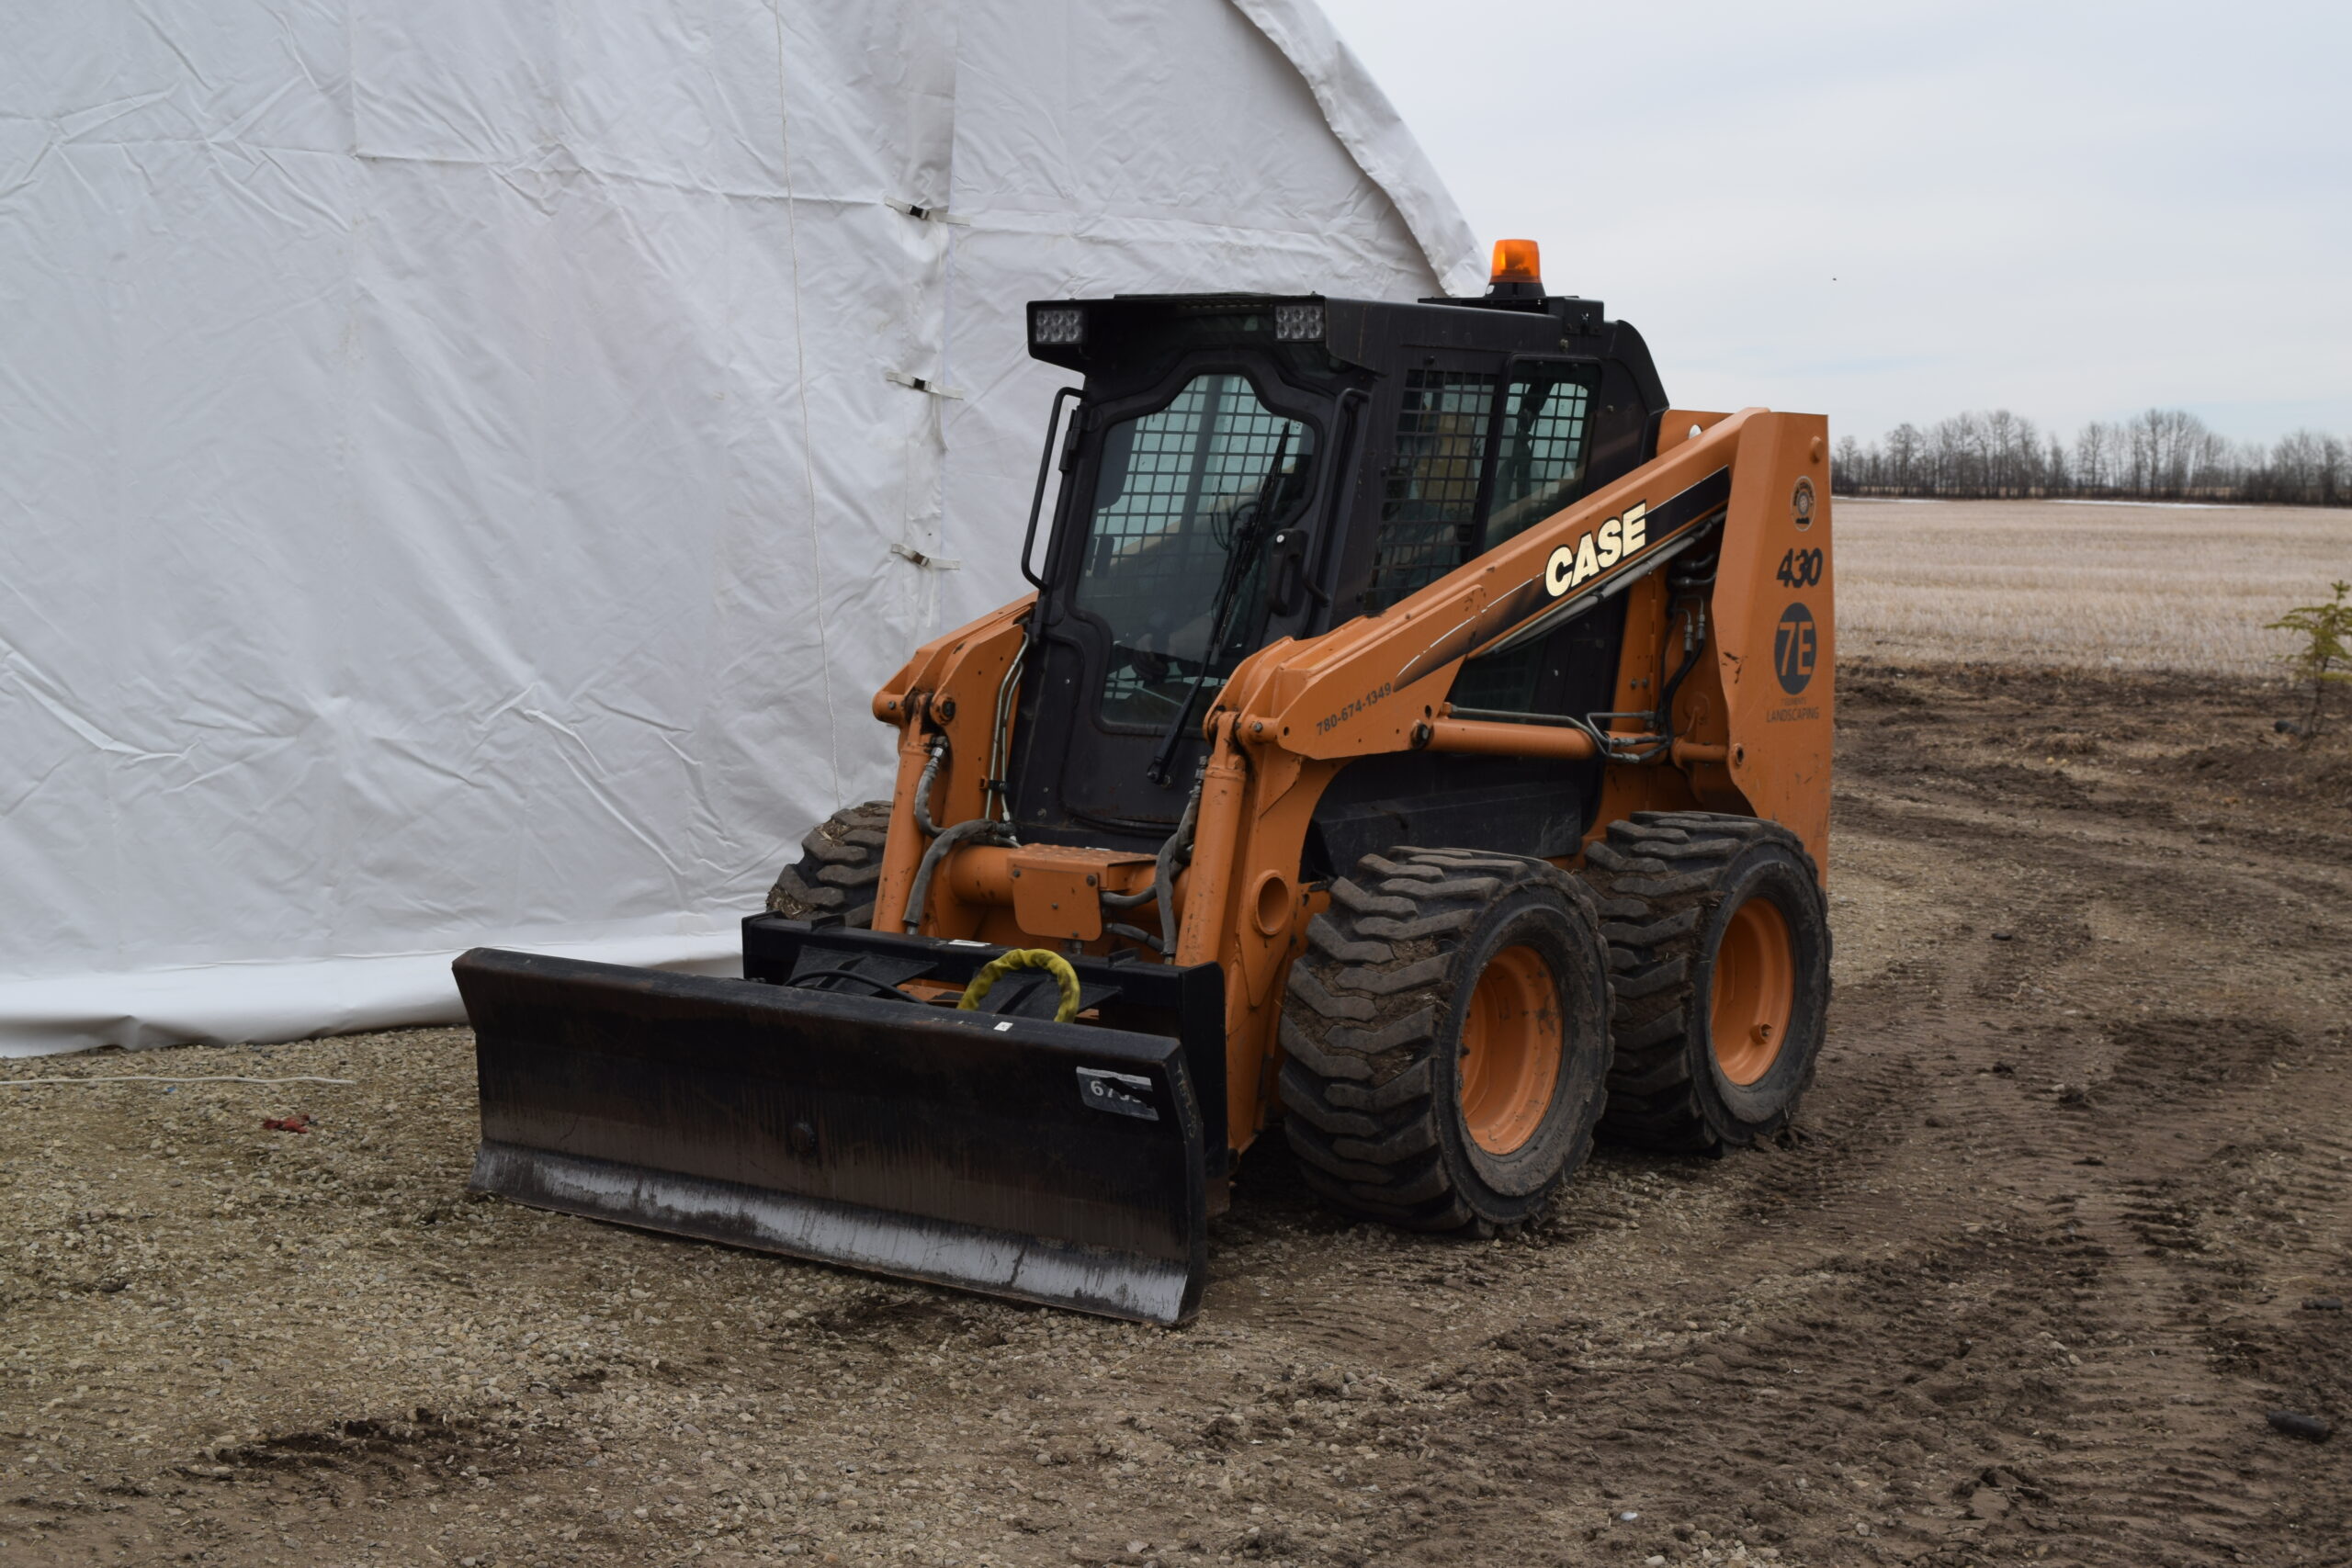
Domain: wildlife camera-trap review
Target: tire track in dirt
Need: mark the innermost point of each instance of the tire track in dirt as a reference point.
(2107, 1429)
(2151, 1095)
(2165, 1380)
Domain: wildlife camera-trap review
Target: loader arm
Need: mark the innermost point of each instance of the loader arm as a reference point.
(1297, 711)
(954, 690)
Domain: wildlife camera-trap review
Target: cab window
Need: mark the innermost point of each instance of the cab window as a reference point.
(1542, 438)
(1185, 501)
(1429, 503)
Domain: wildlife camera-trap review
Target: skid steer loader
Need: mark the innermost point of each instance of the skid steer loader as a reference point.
(1419, 735)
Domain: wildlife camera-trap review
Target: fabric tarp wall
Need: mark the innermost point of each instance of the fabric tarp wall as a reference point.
(465, 465)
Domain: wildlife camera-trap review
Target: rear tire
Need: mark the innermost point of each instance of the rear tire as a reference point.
(1719, 954)
(839, 870)
(1447, 1039)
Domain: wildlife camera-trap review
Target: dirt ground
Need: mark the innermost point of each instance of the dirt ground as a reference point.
(2065, 1218)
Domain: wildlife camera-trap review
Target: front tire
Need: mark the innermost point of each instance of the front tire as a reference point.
(840, 869)
(1719, 951)
(1447, 1039)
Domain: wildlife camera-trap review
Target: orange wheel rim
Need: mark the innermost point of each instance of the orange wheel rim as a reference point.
(1511, 1050)
(1755, 991)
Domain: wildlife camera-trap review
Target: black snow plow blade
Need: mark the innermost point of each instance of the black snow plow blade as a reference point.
(1060, 1163)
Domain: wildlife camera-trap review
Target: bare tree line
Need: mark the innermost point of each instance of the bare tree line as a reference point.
(2162, 455)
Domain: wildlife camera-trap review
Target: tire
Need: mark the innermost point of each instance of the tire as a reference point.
(839, 870)
(1390, 1115)
(1719, 958)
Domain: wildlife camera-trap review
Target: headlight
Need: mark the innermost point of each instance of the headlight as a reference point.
(1298, 323)
(1057, 325)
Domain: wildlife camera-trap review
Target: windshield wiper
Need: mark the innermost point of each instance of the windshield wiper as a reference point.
(1247, 533)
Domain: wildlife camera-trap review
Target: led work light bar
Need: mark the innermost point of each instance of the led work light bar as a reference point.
(1056, 326)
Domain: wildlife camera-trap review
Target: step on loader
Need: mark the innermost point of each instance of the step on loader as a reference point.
(1419, 736)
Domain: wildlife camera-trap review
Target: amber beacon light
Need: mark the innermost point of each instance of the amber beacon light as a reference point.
(1516, 260)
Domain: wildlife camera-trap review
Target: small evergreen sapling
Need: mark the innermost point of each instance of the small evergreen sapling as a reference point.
(2326, 653)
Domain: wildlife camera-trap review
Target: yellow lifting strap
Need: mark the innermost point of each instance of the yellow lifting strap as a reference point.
(1025, 958)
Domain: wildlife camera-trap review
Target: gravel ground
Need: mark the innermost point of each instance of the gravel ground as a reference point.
(2059, 1227)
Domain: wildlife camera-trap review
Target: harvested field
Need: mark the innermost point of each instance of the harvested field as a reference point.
(2119, 587)
(2062, 1222)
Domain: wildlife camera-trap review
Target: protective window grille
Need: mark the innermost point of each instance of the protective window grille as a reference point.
(1428, 504)
(1179, 494)
(1540, 452)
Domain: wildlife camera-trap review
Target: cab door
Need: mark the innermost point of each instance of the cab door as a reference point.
(1184, 495)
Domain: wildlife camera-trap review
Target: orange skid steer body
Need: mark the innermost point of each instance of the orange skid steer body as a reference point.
(1013, 1033)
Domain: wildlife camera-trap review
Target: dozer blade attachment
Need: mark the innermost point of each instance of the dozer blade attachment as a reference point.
(1057, 1163)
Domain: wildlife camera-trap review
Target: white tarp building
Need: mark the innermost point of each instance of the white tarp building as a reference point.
(465, 465)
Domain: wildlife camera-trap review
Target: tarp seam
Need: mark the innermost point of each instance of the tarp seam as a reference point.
(800, 372)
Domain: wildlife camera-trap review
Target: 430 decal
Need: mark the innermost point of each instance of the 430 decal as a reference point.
(1799, 568)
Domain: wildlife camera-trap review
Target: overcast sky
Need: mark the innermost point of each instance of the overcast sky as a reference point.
(1895, 211)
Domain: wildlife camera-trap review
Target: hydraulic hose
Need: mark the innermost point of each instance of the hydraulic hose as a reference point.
(978, 829)
(1178, 843)
(1690, 580)
(922, 787)
(995, 798)
(1135, 934)
(1694, 638)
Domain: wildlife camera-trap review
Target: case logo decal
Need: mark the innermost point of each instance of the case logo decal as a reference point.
(1595, 552)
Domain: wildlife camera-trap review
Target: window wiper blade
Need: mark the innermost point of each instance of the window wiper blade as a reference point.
(1248, 533)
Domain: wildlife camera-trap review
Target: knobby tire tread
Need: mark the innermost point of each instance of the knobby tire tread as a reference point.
(1658, 878)
(1364, 1010)
(840, 869)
